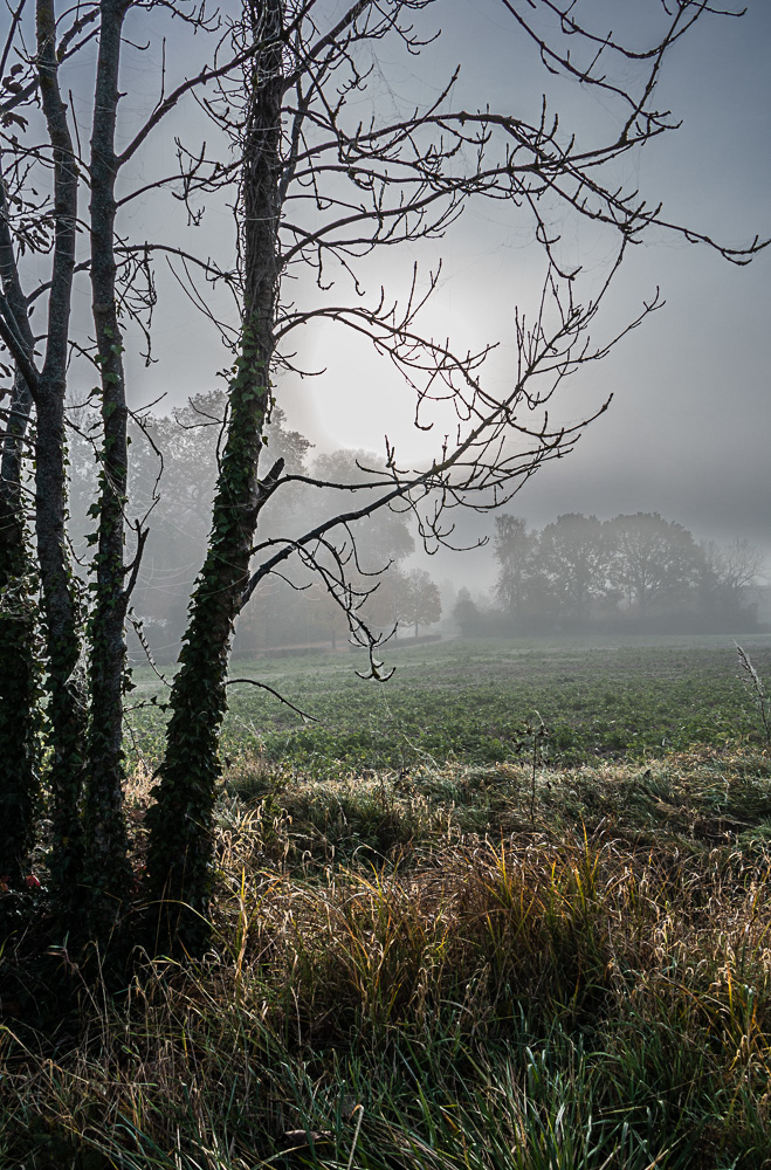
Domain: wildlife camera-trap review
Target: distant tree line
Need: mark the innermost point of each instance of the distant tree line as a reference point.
(180, 452)
(636, 572)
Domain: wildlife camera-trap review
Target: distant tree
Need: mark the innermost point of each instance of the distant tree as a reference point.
(297, 608)
(326, 618)
(174, 473)
(515, 548)
(728, 573)
(577, 569)
(422, 604)
(385, 604)
(654, 562)
(571, 565)
(382, 537)
(467, 614)
(172, 477)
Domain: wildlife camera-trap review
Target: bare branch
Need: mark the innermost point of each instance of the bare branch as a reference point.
(253, 682)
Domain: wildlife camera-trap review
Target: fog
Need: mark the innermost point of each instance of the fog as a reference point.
(686, 433)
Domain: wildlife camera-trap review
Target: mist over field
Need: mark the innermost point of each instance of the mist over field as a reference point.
(685, 435)
(635, 572)
(625, 573)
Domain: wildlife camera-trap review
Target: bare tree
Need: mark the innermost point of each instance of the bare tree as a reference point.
(728, 573)
(319, 187)
(44, 226)
(323, 189)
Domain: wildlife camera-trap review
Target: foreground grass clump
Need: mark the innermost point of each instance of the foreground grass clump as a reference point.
(477, 968)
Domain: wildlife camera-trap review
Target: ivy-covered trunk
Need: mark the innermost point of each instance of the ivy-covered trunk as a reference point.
(107, 870)
(180, 853)
(18, 669)
(66, 707)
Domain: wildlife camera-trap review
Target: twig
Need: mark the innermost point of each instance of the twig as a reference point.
(253, 682)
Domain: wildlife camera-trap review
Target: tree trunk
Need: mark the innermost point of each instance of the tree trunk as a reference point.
(180, 854)
(108, 872)
(19, 680)
(67, 713)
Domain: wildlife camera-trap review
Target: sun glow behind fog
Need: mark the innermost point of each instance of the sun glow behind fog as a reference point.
(689, 386)
(490, 269)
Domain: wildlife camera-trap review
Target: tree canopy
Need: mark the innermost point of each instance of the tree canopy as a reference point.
(631, 571)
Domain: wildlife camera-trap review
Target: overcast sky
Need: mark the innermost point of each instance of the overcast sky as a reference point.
(688, 431)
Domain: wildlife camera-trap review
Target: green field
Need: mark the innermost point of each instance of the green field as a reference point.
(472, 702)
(442, 937)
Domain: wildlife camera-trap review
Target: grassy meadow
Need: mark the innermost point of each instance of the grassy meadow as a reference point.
(508, 911)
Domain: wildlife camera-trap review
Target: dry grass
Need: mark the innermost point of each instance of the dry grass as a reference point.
(416, 972)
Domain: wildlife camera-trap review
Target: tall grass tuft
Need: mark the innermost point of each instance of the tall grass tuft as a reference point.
(759, 692)
(473, 989)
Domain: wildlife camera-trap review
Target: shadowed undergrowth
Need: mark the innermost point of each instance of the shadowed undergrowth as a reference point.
(464, 967)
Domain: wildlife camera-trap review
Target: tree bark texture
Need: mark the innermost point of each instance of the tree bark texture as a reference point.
(179, 861)
(67, 711)
(19, 682)
(107, 867)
